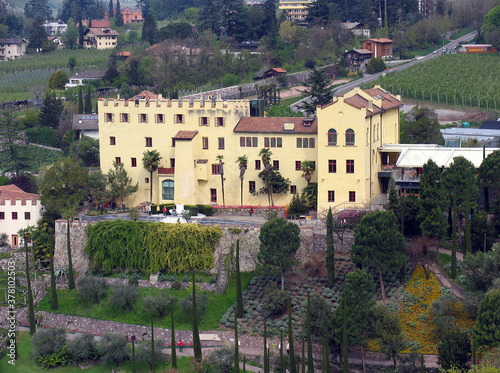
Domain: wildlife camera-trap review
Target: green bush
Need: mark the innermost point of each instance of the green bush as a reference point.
(275, 300)
(83, 347)
(48, 342)
(375, 65)
(193, 209)
(222, 359)
(159, 305)
(201, 304)
(124, 296)
(43, 136)
(114, 348)
(91, 289)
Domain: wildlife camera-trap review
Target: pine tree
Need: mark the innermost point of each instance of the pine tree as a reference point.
(88, 101)
(172, 345)
(330, 249)
(236, 346)
(196, 334)
(239, 294)
(293, 363)
(80, 100)
(310, 361)
(317, 88)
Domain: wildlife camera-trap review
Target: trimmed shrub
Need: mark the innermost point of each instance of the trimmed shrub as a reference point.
(275, 301)
(91, 289)
(83, 347)
(124, 296)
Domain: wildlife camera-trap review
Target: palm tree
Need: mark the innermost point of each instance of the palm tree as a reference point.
(242, 161)
(221, 172)
(265, 154)
(307, 168)
(151, 162)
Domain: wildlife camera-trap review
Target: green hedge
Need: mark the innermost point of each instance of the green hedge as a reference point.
(151, 247)
(158, 209)
(205, 209)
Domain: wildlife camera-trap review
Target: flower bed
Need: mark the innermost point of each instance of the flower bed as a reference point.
(245, 209)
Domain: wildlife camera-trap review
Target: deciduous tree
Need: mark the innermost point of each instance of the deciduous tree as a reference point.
(119, 183)
(420, 126)
(279, 241)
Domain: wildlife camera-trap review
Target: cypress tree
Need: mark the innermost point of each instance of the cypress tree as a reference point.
(80, 100)
(110, 9)
(345, 346)
(152, 347)
(244, 363)
(468, 239)
(196, 334)
(236, 347)
(330, 249)
(172, 344)
(303, 355)
(310, 361)
(54, 304)
(293, 363)
(266, 370)
(454, 239)
(282, 361)
(90, 22)
(25, 233)
(118, 16)
(326, 350)
(133, 354)
(88, 101)
(80, 31)
(239, 294)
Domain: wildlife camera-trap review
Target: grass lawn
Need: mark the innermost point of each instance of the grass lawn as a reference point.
(217, 306)
(26, 364)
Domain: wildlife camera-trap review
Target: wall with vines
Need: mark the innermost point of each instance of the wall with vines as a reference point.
(151, 247)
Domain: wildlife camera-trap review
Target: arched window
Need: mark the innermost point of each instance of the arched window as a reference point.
(349, 137)
(332, 137)
(167, 189)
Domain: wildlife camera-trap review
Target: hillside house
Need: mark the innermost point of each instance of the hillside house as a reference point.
(82, 78)
(295, 11)
(358, 59)
(357, 28)
(11, 49)
(100, 38)
(129, 15)
(381, 47)
(55, 28)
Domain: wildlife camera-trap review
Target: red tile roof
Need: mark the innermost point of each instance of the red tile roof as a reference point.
(13, 193)
(380, 40)
(360, 102)
(144, 95)
(388, 100)
(275, 125)
(185, 135)
(103, 31)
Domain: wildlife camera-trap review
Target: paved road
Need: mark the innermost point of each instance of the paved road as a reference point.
(370, 77)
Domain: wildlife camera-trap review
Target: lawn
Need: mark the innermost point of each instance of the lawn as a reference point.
(217, 306)
(26, 364)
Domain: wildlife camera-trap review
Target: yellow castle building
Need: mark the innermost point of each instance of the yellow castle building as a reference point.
(343, 141)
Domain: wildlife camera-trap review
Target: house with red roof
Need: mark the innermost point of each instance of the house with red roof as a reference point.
(18, 210)
(381, 47)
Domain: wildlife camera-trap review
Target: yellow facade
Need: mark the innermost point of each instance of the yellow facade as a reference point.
(190, 136)
(296, 11)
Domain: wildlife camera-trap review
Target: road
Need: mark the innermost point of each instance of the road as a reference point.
(371, 77)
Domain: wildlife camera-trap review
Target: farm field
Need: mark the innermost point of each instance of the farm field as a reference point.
(454, 79)
(37, 157)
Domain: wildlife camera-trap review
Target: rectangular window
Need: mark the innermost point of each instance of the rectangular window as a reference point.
(331, 196)
(146, 180)
(124, 118)
(112, 140)
(242, 142)
(204, 121)
(215, 169)
(133, 162)
(118, 160)
(149, 142)
(27, 215)
(172, 162)
(14, 216)
(220, 141)
(220, 122)
(312, 142)
(349, 166)
(251, 186)
(293, 189)
(305, 143)
(273, 142)
(297, 165)
(179, 118)
(257, 164)
(160, 118)
(255, 142)
(249, 142)
(299, 142)
(332, 166)
(213, 195)
(266, 142)
(108, 117)
(352, 196)
(279, 142)
(276, 165)
(143, 118)
(2, 215)
(204, 142)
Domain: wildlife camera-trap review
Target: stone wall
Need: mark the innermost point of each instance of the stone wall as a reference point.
(78, 239)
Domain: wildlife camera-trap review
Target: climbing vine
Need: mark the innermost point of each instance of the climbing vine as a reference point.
(151, 247)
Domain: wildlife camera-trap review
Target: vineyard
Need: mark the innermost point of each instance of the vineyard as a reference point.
(455, 79)
(38, 157)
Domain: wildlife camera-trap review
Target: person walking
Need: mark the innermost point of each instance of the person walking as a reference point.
(251, 211)
(181, 344)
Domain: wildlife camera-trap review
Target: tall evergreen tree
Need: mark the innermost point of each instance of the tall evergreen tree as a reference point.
(152, 347)
(239, 293)
(80, 31)
(282, 361)
(293, 363)
(111, 9)
(37, 35)
(26, 234)
(69, 214)
(150, 29)
(196, 334)
(88, 101)
(118, 16)
(236, 346)
(80, 100)
(266, 369)
(310, 360)
(172, 343)
(11, 138)
(454, 238)
(318, 90)
(330, 249)
(303, 354)
(54, 303)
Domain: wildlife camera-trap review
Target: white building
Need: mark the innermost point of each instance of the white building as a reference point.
(10, 49)
(55, 28)
(18, 210)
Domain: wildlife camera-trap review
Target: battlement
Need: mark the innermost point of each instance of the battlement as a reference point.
(161, 102)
